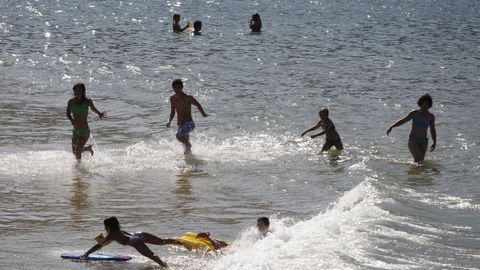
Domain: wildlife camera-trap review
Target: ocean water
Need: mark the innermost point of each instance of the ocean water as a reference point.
(370, 207)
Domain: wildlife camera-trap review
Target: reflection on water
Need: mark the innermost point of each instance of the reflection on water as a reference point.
(422, 174)
(183, 187)
(79, 191)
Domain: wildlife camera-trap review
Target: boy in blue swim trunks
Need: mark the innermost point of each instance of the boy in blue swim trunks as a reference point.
(181, 103)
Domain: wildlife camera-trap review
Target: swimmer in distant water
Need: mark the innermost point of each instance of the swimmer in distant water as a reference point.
(421, 120)
(176, 24)
(256, 23)
(181, 103)
(77, 113)
(136, 240)
(197, 28)
(332, 138)
(263, 225)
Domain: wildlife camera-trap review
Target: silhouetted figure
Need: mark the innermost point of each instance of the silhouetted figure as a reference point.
(256, 23)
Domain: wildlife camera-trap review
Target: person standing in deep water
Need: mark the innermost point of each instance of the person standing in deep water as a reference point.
(197, 28)
(421, 120)
(176, 24)
(77, 113)
(181, 103)
(256, 23)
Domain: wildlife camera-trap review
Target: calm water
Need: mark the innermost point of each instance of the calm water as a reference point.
(368, 61)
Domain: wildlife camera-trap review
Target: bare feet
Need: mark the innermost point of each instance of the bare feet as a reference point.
(89, 149)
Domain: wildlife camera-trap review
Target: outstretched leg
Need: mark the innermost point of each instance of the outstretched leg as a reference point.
(152, 239)
(141, 247)
(89, 149)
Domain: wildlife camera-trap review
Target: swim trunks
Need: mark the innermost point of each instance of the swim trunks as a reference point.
(185, 128)
(329, 143)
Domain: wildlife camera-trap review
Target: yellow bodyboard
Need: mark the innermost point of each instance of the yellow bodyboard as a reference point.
(195, 242)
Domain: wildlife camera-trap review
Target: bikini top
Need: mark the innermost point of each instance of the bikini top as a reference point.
(79, 108)
(418, 121)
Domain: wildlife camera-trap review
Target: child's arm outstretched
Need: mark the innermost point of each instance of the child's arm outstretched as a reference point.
(95, 248)
(199, 106)
(95, 110)
(328, 127)
(319, 124)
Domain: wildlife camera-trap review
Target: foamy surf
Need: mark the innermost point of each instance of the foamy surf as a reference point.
(334, 239)
(163, 153)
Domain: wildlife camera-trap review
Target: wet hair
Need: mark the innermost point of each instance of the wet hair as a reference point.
(324, 110)
(176, 16)
(112, 224)
(264, 220)
(177, 82)
(426, 98)
(256, 16)
(197, 25)
(82, 88)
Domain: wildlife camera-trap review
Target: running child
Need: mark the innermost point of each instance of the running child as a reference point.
(77, 113)
(181, 103)
(332, 138)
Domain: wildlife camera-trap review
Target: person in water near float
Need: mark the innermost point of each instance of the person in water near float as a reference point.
(332, 138)
(422, 119)
(137, 240)
(181, 103)
(77, 113)
(263, 226)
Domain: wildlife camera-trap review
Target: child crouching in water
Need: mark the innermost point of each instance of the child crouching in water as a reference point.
(331, 135)
(137, 240)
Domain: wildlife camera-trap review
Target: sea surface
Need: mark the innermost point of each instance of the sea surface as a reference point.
(369, 207)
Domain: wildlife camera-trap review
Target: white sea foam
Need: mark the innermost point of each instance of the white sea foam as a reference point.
(162, 153)
(322, 242)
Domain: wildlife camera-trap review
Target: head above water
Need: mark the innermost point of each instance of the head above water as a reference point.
(197, 26)
(79, 91)
(425, 101)
(323, 113)
(111, 224)
(256, 17)
(177, 85)
(176, 17)
(263, 224)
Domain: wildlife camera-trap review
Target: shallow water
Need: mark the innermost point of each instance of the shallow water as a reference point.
(368, 208)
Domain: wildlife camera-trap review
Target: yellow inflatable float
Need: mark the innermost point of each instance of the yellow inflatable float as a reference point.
(195, 242)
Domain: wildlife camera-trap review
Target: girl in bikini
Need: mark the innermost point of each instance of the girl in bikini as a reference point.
(77, 113)
(421, 120)
(136, 240)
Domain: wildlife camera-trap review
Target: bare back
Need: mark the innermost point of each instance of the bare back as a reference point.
(330, 131)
